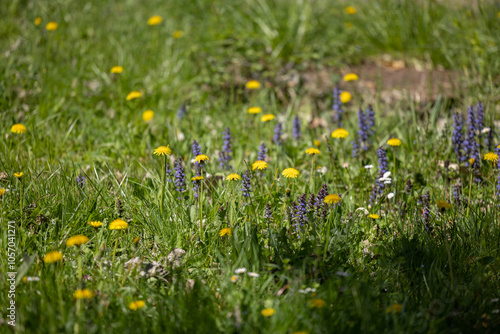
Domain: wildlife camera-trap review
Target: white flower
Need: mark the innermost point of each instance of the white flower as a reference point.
(345, 165)
(485, 130)
(390, 195)
(386, 175)
(240, 271)
(368, 166)
(387, 181)
(321, 170)
(234, 279)
(363, 209)
(252, 274)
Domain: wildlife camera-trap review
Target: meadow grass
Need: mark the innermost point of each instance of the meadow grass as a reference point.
(418, 254)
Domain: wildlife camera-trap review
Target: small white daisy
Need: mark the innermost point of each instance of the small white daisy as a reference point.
(252, 274)
(240, 271)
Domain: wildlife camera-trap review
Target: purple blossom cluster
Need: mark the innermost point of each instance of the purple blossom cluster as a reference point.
(337, 107)
(278, 132)
(262, 155)
(225, 154)
(179, 176)
(245, 184)
(366, 124)
(296, 131)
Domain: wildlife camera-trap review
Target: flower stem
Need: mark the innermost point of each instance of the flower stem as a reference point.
(162, 194)
(470, 190)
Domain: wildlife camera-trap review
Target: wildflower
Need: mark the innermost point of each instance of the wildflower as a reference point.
(471, 161)
(350, 10)
(278, 132)
(351, 77)
(471, 147)
(225, 155)
(19, 175)
(201, 158)
(267, 312)
(300, 213)
(254, 275)
(492, 157)
(51, 26)
(317, 303)
(395, 308)
(180, 177)
(155, 20)
(2, 192)
(390, 195)
(240, 270)
(53, 256)
(267, 117)
(136, 305)
(443, 204)
(177, 34)
(38, 21)
(317, 143)
(233, 177)
(196, 148)
(83, 294)
(225, 231)
(18, 128)
(254, 110)
(148, 115)
(162, 151)
(340, 133)
(245, 184)
(197, 178)
(394, 142)
(80, 180)
(296, 128)
(332, 199)
(290, 173)
(118, 224)
(252, 84)
(262, 152)
(345, 165)
(181, 112)
(117, 69)
(136, 240)
(337, 106)
(27, 279)
(234, 278)
(268, 213)
(77, 240)
(345, 97)
(259, 164)
(134, 95)
(312, 151)
(368, 167)
(373, 216)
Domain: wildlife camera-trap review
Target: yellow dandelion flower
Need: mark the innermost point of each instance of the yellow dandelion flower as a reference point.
(472, 161)
(345, 97)
(177, 34)
(19, 175)
(351, 77)
(317, 303)
(443, 204)
(18, 128)
(252, 84)
(38, 21)
(95, 223)
(254, 110)
(77, 240)
(136, 240)
(395, 308)
(312, 151)
(266, 118)
(2, 192)
(340, 133)
(233, 177)
(25, 279)
(290, 173)
(155, 20)
(225, 231)
(138, 304)
(498, 146)
(332, 199)
(491, 156)
(394, 142)
(350, 10)
(118, 224)
(162, 151)
(197, 178)
(259, 164)
(267, 312)
(201, 158)
(117, 69)
(83, 294)
(373, 216)
(317, 143)
(51, 26)
(134, 95)
(51, 257)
